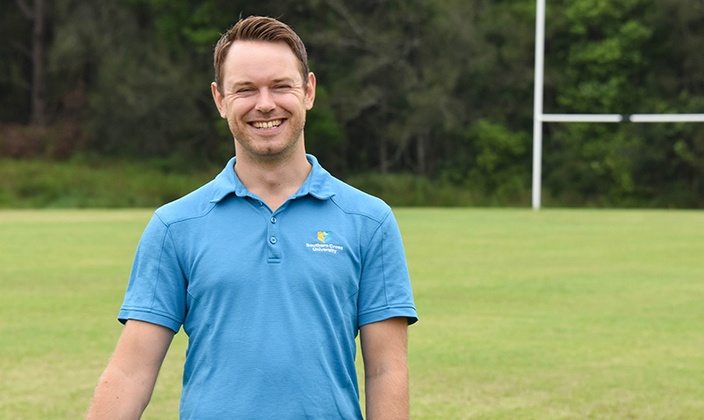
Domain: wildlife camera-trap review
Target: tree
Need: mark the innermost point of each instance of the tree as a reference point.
(598, 53)
(625, 57)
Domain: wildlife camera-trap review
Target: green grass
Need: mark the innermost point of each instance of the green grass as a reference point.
(556, 314)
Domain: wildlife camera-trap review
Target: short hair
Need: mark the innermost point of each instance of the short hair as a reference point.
(259, 28)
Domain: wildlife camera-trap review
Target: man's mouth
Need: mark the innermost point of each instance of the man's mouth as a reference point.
(267, 124)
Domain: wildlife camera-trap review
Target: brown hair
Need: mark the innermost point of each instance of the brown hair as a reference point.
(259, 28)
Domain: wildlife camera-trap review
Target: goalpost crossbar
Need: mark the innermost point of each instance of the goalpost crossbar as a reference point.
(617, 118)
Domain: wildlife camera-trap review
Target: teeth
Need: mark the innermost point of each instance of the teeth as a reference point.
(267, 124)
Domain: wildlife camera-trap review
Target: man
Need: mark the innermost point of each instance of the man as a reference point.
(271, 268)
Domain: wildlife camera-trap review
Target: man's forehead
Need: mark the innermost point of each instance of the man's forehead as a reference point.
(250, 49)
(248, 61)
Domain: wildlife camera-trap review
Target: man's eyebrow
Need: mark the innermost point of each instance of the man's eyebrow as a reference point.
(288, 80)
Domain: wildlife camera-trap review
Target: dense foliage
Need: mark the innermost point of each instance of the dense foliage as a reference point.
(442, 90)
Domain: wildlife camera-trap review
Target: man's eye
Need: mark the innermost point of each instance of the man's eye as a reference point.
(244, 90)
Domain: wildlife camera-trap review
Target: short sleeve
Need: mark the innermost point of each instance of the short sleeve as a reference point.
(385, 285)
(156, 291)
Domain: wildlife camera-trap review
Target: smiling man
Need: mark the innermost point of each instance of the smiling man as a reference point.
(271, 269)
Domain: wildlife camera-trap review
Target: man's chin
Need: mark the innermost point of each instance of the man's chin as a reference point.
(268, 154)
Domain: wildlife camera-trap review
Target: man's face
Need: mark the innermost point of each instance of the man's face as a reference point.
(264, 99)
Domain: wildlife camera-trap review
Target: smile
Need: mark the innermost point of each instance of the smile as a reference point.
(267, 124)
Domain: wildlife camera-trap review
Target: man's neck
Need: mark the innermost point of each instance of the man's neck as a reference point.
(273, 181)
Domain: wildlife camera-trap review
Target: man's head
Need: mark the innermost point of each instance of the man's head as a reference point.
(258, 28)
(263, 88)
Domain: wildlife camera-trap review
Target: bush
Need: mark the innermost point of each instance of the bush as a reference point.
(83, 184)
(58, 141)
(406, 190)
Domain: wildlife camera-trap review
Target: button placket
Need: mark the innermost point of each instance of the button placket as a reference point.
(273, 248)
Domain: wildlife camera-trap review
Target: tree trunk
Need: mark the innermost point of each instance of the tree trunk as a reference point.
(422, 167)
(37, 15)
(383, 155)
(38, 65)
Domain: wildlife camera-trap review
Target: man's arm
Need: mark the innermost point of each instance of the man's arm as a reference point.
(126, 386)
(384, 349)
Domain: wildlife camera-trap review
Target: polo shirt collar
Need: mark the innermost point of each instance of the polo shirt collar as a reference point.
(317, 184)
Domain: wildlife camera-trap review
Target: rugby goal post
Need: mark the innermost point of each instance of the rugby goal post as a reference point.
(539, 117)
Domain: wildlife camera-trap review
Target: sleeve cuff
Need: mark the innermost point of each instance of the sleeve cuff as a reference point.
(152, 318)
(408, 312)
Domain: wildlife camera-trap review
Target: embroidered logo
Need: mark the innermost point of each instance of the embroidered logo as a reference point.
(324, 244)
(323, 236)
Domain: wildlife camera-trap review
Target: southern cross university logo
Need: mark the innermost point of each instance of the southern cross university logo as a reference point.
(324, 236)
(323, 245)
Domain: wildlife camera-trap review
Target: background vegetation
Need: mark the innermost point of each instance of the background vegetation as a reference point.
(434, 91)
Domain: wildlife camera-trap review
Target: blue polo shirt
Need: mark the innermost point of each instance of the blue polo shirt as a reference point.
(271, 301)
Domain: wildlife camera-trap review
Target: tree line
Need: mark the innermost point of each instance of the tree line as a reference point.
(442, 89)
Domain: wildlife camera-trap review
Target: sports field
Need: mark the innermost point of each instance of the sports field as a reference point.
(557, 314)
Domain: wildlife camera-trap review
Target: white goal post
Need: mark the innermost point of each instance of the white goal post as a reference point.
(539, 117)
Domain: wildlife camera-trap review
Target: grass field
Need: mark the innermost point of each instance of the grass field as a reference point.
(557, 314)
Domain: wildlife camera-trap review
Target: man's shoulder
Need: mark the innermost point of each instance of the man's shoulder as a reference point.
(355, 201)
(201, 201)
(195, 204)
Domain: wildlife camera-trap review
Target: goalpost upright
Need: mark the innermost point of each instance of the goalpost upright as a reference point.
(539, 117)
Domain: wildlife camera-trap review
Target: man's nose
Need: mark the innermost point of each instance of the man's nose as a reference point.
(265, 101)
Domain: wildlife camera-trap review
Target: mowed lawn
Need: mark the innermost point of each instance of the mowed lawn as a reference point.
(556, 314)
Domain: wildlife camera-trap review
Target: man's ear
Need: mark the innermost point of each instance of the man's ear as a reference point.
(310, 91)
(218, 99)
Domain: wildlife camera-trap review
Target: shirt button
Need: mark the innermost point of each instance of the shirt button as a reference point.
(273, 220)
(272, 239)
